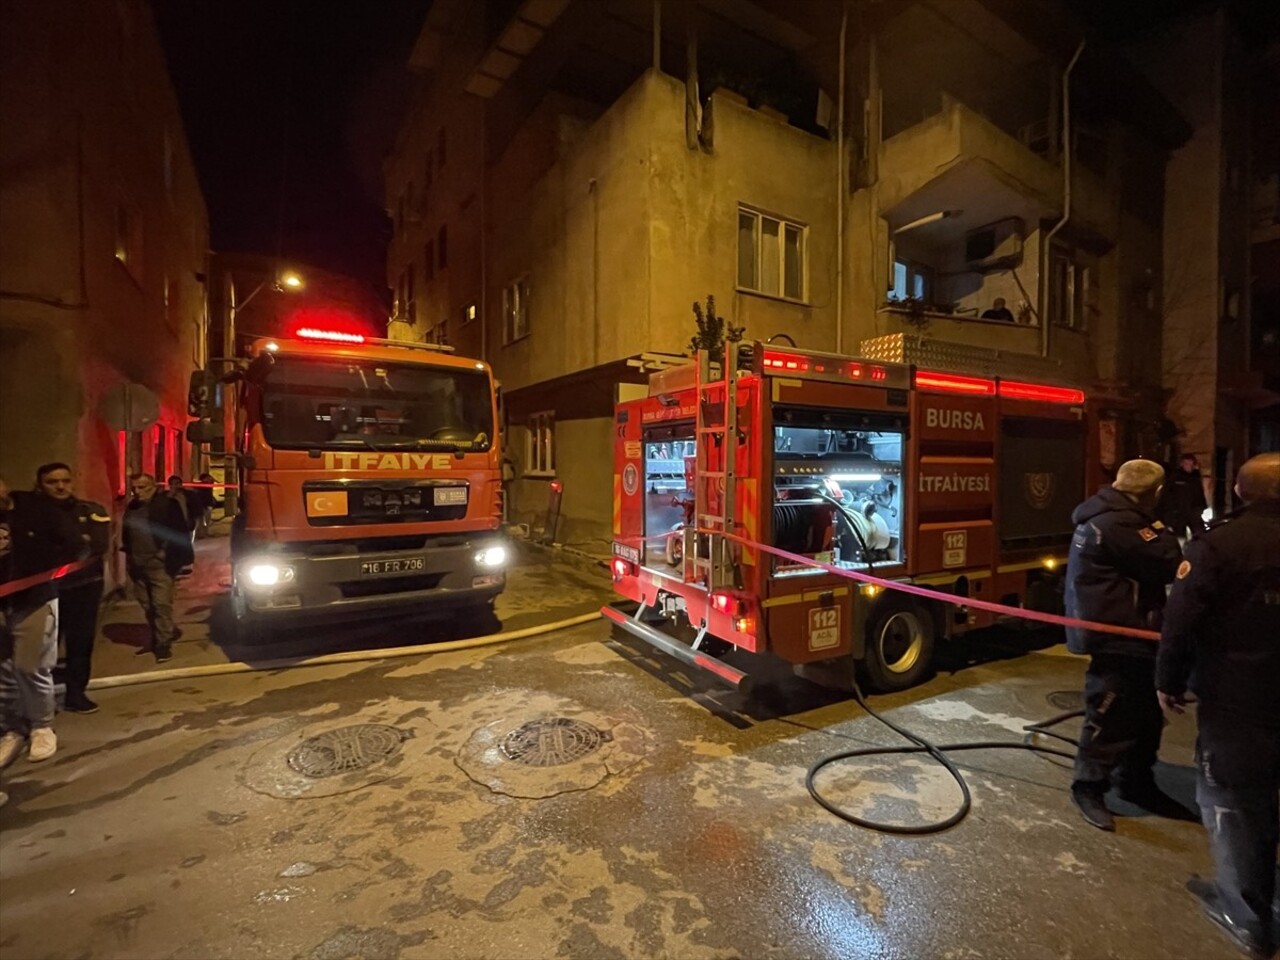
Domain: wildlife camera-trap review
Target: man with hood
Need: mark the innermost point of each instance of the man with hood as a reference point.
(1122, 558)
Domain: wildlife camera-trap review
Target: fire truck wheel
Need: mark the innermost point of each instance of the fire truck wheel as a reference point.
(900, 642)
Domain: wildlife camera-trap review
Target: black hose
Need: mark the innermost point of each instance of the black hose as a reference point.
(937, 752)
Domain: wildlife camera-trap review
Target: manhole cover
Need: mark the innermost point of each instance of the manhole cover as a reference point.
(346, 749)
(1066, 700)
(552, 742)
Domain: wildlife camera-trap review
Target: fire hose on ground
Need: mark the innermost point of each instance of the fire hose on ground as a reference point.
(917, 744)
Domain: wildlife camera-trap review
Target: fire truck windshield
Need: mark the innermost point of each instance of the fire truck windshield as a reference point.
(310, 403)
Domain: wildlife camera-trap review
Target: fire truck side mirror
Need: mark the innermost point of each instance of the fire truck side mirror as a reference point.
(203, 431)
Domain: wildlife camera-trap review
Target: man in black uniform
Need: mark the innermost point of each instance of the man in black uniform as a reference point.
(1182, 503)
(1221, 639)
(80, 594)
(1121, 560)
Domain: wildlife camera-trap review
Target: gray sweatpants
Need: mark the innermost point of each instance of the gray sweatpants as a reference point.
(26, 678)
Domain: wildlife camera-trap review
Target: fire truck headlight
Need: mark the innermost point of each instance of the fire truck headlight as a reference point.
(491, 557)
(266, 573)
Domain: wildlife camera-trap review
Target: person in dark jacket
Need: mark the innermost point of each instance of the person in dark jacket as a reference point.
(79, 594)
(42, 539)
(155, 541)
(1182, 503)
(1120, 562)
(1221, 641)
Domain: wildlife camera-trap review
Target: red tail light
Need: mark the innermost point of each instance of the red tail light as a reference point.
(621, 568)
(729, 604)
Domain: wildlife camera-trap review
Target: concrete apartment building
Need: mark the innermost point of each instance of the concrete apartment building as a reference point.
(103, 246)
(1264, 255)
(574, 175)
(1202, 66)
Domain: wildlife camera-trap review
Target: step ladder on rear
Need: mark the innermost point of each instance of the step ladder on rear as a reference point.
(709, 556)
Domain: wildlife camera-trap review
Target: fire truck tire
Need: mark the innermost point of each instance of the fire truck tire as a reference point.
(901, 636)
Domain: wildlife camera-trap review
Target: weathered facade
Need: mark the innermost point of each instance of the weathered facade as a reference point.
(610, 177)
(103, 246)
(1202, 66)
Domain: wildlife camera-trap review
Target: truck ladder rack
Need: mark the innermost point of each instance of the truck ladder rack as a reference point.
(709, 557)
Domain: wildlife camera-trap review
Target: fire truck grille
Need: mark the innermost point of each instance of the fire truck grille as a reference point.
(353, 589)
(391, 502)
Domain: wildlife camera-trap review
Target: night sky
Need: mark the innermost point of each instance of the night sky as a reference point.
(289, 107)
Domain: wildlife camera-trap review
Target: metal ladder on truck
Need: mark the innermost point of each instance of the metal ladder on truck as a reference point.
(709, 557)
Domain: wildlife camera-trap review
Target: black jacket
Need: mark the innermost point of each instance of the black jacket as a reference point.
(1182, 503)
(93, 523)
(44, 537)
(167, 526)
(1121, 560)
(1221, 633)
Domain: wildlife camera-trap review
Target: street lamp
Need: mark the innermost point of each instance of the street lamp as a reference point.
(287, 280)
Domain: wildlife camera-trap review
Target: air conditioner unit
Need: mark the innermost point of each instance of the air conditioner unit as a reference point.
(997, 246)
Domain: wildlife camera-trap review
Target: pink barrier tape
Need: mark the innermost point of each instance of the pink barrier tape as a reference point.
(17, 586)
(917, 591)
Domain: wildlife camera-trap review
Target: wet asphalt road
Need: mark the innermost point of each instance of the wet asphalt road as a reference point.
(171, 824)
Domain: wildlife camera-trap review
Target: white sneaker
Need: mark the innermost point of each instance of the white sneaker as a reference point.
(11, 745)
(44, 744)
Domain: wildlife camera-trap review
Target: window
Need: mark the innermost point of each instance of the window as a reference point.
(910, 280)
(772, 255)
(540, 446)
(441, 140)
(1070, 290)
(468, 313)
(441, 332)
(129, 239)
(411, 307)
(429, 261)
(515, 311)
(442, 245)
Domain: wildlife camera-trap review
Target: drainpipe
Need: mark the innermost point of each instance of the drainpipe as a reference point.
(840, 186)
(484, 228)
(657, 35)
(1047, 244)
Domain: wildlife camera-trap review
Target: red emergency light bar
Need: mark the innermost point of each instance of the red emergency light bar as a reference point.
(953, 383)
(787, 362)
(1013, 390)
(329, 336)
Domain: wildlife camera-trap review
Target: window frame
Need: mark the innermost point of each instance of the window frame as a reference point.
(511, 331)
(784, 224)
(540, 444)
(915, 271)
(1071, 293)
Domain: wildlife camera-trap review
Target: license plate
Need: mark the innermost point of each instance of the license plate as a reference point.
(380, 568)
(450, 496)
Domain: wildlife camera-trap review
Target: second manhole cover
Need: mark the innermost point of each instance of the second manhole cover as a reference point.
(346, 749)
(552, 741)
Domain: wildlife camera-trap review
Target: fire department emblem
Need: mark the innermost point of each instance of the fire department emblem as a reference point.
(630, 479)
(1038, 489)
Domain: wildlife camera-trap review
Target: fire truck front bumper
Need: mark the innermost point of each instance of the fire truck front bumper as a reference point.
(299, 587)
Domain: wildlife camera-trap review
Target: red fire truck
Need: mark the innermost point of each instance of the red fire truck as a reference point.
(370, 478)
(961, 483)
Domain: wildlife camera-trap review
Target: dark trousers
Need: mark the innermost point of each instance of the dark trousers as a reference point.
(78, 618)
(1238, 789)
(1122, 720)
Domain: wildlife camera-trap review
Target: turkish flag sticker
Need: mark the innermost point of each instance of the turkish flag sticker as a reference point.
(326, 503)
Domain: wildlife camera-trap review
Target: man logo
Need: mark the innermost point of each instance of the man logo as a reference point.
(1038, 488)
(630, 479)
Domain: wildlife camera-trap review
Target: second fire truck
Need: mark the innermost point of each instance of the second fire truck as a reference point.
(961, 483)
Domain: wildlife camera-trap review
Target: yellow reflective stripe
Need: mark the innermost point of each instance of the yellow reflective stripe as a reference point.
(1029, 565)
(951, 577)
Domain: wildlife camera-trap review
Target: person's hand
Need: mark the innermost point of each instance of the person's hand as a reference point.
(1172, 703)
